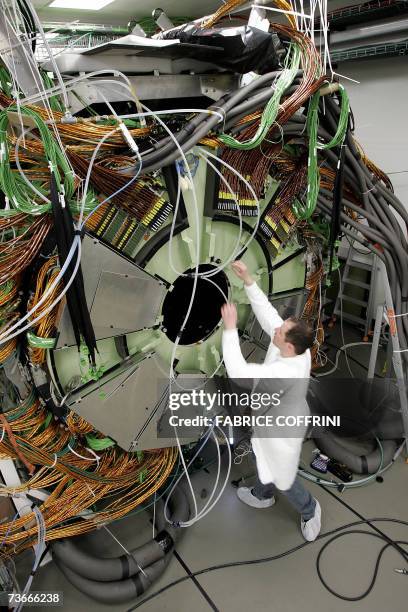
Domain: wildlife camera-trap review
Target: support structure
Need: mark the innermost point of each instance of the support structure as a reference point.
(386, 312)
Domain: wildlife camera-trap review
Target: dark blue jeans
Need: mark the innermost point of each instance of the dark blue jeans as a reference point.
(299, 497)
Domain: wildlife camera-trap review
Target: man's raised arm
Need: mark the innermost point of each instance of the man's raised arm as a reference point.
(266, 314)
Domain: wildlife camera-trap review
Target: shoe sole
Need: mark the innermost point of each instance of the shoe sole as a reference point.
(256, 507)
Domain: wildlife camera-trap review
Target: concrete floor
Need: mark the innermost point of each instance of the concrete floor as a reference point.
(233, 531)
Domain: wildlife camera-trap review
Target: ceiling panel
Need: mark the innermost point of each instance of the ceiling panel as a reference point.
(119, 12)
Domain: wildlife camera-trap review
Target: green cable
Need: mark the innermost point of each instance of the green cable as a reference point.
(5, 82)
(343, 121)
(305, 211)
(14, 186)
(99, 444)
(270, 112)
(54, 101)
(38, 342)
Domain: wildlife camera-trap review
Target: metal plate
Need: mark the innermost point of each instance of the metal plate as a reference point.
(132, 407)
(121, 296)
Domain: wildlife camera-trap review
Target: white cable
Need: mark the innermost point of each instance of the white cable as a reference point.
(96, 457)
(88, 174)
(39, 550)
(76, 244)
(244, 449)
(200, 514)
(30, 184)
(175, 111)
(217, 268)
(226, 476)
(350, 344)
(42, 95)
(6, 336)
(228, 186)
(57, 89)
(176, 343)
(47, 46)
(113, 194)
(208, 506)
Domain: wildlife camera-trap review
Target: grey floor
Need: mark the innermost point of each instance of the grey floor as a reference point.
(235, 532)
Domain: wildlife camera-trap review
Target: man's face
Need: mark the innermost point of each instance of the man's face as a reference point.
(279, 338)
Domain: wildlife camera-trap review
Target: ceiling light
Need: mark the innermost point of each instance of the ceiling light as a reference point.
(85, 5)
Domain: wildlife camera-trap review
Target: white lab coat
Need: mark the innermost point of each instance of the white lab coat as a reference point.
(276, 458)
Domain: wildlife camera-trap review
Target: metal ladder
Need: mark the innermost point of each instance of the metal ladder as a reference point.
(360, 261)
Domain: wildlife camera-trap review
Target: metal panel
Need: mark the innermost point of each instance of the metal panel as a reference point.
(76, 62)
(121, 296)
(123, 303)
(150, 87)
(15, 52)
(132, 407)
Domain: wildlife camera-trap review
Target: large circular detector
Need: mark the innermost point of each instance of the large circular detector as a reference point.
(205, 312)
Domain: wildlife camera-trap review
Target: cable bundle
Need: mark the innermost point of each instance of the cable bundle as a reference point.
(108, 174)
(79, 477)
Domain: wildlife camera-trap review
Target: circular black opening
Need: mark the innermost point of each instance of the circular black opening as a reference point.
(205, 312)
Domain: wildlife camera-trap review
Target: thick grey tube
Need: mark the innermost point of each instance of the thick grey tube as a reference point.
(207, 125)
(200, 126)
(69, 557)
(119, 591)
(106, 570)
(263, 96)
(359, 464)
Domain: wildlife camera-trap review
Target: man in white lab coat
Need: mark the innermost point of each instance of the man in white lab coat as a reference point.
(288, 356)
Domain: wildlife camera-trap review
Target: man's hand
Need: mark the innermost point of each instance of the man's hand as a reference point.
(242, 272)
(229, 316)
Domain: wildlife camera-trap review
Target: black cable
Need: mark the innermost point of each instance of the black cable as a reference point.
(396, 544)
(29, 22)
(390, 542)
(376, 568)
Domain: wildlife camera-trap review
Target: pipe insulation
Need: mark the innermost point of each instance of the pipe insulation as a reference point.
(330, 445)
(119, 579)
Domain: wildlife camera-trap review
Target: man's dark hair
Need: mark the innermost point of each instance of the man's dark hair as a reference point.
(301, 335)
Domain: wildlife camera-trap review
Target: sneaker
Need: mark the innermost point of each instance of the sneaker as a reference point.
(245, 494)
(311, 528)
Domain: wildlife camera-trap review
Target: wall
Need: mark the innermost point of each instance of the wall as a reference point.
(379, 104)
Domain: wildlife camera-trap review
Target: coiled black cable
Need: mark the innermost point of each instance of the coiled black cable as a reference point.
(340, 533)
